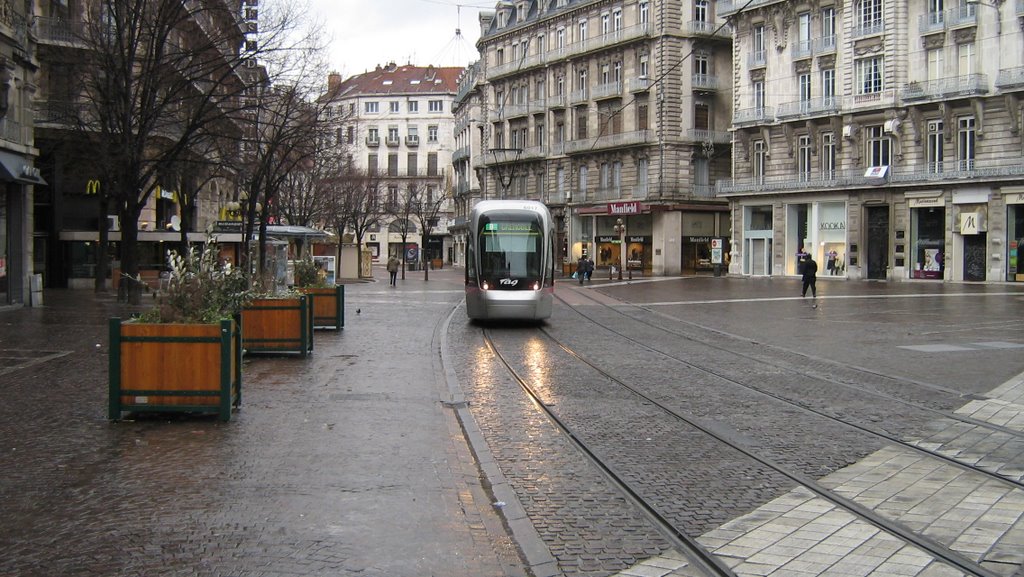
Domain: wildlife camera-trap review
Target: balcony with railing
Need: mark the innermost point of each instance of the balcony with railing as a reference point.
(1011, 78)
(705, 82)
(824, 45)
(461, 153)
(59, 114)
(957, 86)
(932, 22)
(534, 153)
(710, 29)
(607, 90)
(373, 141)
(803, 49)
(757, 59)
(12, 131)
(638, 84)
(392, 141)
(869, 29)
(556, 101)
(513, 110)
(412, 141)
(807, 108)
(753, 115)
(604, 193)
(728, 7)
(712, 136)
(961, 16)
(606, 141)
(928, 174)
(59, 31)
(602, 41)
(578, 96)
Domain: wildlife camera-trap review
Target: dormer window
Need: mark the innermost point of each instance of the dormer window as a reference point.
(521, 12)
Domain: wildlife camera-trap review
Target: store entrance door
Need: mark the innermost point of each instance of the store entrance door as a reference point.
(878, 242)
(974, 256)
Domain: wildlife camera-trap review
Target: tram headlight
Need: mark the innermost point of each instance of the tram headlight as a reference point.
(484, 285)
(536, 285)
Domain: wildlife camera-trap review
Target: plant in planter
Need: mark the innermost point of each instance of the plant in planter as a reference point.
(185, 354)
(328, 299)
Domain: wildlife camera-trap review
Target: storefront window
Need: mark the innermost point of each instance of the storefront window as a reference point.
(798, 240)
(831, 238)
(927, 230)
(1015, 242)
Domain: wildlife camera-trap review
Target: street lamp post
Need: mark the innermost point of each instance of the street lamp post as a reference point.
(620, 229)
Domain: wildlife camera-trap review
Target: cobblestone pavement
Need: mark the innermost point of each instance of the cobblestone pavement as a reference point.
(344, 463)
(401, 448)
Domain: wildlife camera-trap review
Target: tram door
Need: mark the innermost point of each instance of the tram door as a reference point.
(878, 242)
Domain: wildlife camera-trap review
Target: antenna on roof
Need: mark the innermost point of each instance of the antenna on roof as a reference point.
(458, 48)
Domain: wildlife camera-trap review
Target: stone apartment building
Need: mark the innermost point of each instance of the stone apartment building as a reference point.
(613, 112)
(67, 218)
(884, 133)
(19, 171)
(396, 121)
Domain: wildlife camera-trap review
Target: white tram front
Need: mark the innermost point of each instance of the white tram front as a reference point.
(510, 260)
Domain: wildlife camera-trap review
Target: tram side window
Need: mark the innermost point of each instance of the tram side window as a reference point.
(470, 263)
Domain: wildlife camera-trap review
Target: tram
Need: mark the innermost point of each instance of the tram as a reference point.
(510, 260)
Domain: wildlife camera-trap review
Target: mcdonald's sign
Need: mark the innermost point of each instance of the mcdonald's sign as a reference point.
(92, 187)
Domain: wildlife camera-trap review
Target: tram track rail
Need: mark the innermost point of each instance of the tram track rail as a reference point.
(937, 550)
(1014, 433)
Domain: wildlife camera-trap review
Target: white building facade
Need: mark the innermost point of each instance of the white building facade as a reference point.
(883, 137)
(397, 122)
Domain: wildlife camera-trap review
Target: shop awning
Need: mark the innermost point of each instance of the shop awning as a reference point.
(14, 168)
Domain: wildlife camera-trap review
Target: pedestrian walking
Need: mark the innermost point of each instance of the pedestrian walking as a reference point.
(393, 265)
(581, 269)
(810, 276)
(588, 267)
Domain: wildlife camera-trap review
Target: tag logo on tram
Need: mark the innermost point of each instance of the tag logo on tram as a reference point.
(508, 282)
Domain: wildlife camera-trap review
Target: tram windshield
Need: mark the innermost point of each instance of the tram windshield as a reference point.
(511, 249)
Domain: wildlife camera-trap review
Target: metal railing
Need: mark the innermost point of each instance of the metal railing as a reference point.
(810, 107)
(747, 115)
(946, 87)
(1011, 77)
(705, 82)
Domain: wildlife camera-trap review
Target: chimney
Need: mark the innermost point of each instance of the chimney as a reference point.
(333, 82)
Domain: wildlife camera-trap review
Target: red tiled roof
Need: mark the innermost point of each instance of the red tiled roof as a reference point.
(405, 79)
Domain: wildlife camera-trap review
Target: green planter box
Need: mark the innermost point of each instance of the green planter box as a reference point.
(328, 306)
(278, 326)
(174, 367)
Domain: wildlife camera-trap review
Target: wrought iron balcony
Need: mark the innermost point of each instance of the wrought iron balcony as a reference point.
(941, 88)
(753, 115)
(1011, 77)
(806, 108)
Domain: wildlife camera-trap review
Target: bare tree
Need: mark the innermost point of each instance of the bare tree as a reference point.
(281, 146)
(401, 210)
(354, 204)
(159, 76)
(427, 206)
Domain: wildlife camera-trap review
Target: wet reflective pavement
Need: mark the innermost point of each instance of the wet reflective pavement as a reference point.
(355, 461)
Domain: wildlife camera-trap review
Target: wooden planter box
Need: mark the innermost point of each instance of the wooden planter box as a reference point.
(175, 367)
(328, 306)
(278, 326)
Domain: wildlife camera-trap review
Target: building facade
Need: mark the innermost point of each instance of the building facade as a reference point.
(882, 137)
(615, 113)
(68, 214)
(396, 122)
(19, 174)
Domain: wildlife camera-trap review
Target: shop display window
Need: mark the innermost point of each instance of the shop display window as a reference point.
(929, 239)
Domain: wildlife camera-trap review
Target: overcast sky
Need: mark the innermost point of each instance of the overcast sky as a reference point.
(366, 33)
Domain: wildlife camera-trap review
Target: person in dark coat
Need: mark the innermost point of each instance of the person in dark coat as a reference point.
(810, 276)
